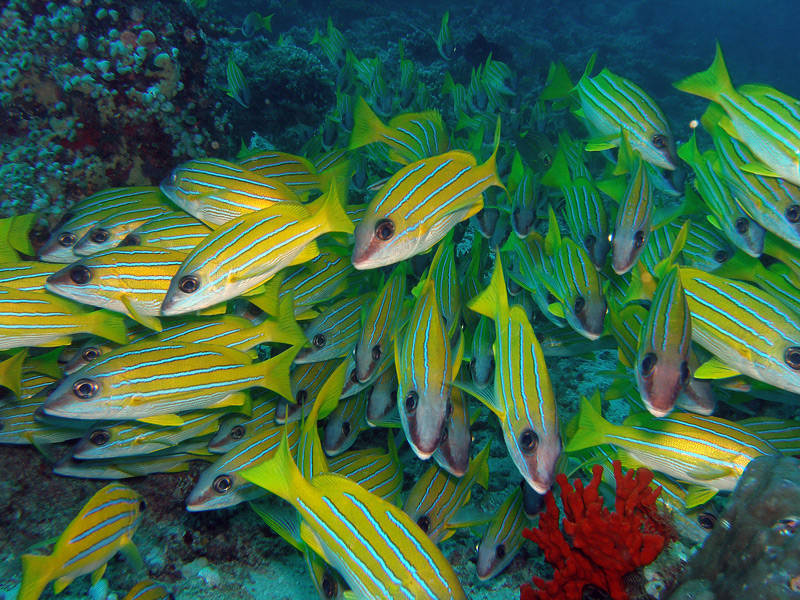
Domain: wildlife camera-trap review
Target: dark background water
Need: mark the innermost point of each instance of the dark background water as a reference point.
(653, 43)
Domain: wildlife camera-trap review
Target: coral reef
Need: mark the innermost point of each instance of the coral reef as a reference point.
(754, 550)
(94, 95)
(598, 549)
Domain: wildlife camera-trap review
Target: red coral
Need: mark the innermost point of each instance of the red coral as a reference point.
(603, 546)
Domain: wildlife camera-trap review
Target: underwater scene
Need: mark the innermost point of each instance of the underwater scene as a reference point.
(431, 300)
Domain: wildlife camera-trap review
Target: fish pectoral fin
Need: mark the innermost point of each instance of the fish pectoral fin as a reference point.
(259, 289)
(709, 473)
(698, 495)
(217, 309)
(98, 573)
(485, 395)
(148, 321)
(61, 583)
(131, 553)
(59, 341)
(757, 168)
(285, 524)
(310, 252)
(557, 309)
(163, 420)
(606, 142)
(235, 399)
(714, 368)
(311, 539)
(469, 516)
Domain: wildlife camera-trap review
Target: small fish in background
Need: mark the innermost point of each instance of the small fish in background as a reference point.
(420, 203)
(377, 548)
(710, 452)
(444, 41)
(763, 118)
(437, 496)
(148, 590)
(748, 330)
(254, 22)
(503, 536)
(84, 215)
(237, 85)
(332, 43)
(103, 527)
(662, 361)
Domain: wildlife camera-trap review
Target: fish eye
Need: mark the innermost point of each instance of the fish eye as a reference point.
(86, 388)
(684, 372)
(318, 340)
(131, 240)
(721, 256)
(222, 484)
(67, 239)
(346, 428)
(793, 213)
(706, 520)
(91, 353)
(411, 402)
(792, 357)
(301, 396)
(445, 434)
(80, 275)
(99, 236)
(500, 551)
(376, 352)
(742, 225)
(528, 440)
(142, 505)
(424, 522)
(237, 432)
(589, 241)
(353, 377)
(580, 304)
(638, 239)
(384, 229)
(100, 437)
(659, 141)
(648, 364)
(329, 586)
(189, 284)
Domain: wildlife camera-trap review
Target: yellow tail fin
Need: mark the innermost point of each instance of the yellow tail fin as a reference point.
(35, 576)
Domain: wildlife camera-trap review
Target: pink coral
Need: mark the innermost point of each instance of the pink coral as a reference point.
(597, 547)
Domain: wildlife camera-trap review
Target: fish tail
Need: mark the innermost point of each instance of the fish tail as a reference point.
(367, 126)
(331, 212)
(276, 373)
(35, 576)
(592, 428)
(489, 168)
(711, 83)
(493, 299)
(558, 174)
(558, 84)
(689, 151)
(290, 332)
(109, 325)
(280, 475)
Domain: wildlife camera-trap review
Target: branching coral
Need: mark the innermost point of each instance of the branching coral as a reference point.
(597, 547)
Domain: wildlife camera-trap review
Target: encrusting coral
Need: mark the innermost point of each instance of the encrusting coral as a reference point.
(597, 548)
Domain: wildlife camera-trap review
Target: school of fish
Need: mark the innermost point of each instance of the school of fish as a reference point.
(261, 314)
